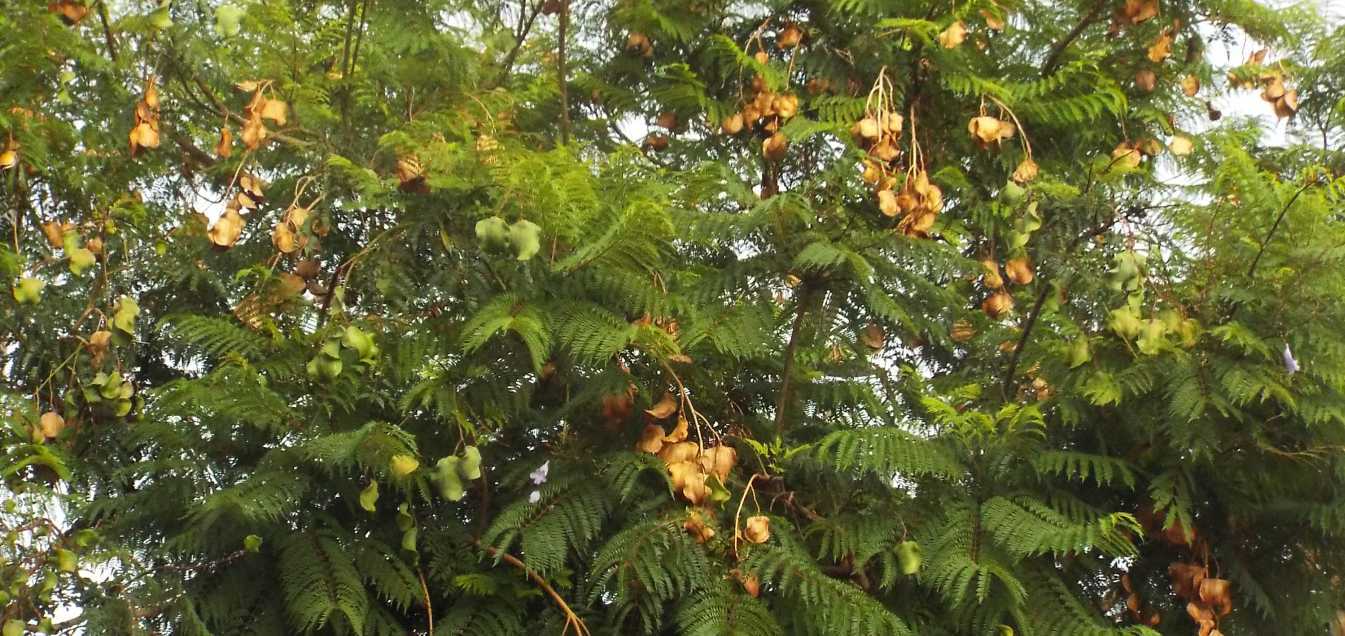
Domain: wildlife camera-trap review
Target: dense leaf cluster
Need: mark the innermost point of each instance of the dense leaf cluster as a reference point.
(676, 316)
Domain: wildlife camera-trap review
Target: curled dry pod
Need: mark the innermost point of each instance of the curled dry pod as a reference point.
(51, 424)
(868, 129)
(953, 36)
(998, 305)
(885, 150)
(1146, 80)
(1287, 104)
(761, 57)
(757, 529)
(789, 37)
(733, 124)
(1026, 171)
(1190, 85)
(284, 238)
(719, 461)
(891, 123)
(679, 452)
(786, 106)
(695, 526)
(1019, 270)
(651, 440)
(667, 119)
(306, 268)
(774, 147)
(984, 129)
(224, 233)
(962, 331)
(1181, 145)
(639, 44)
(1125, 155)
(887, 203)
(872, 173)
(656, 141)
(873, 337)
(991, 277)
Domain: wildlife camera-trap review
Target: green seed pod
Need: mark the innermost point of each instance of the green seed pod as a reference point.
(470, 467)
(908, 557)
(493, 234)
(354, 338)
(66, 561)
(525, 236)
(446, 475)
(369, 497)
(1078, 352)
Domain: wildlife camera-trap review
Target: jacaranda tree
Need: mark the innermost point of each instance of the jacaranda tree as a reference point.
(671, 317)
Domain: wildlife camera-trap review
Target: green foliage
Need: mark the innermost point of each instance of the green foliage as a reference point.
(521, 333)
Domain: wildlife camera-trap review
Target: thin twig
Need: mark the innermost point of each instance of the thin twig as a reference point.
(571, 619)
(107, 30)
(561, 74)
(1053, 58)
(521, 34)
(429, 607)
(1252, 270)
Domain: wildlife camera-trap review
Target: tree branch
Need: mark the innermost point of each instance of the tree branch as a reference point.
(791, 350)
(561, 74)
(107, 30)
(571, 619)
(1271, 234)
(521, 34)
(1053, 58)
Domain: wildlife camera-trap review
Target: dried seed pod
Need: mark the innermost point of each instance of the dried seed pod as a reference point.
(656, 142)
(984, 129)
(887, 203)
(667, 119)
(998, 305)
(1190, 85)
(411, 176)
(225, 146)
(224, 233)
(761, 57)
(962, 331)
(1287, 104)
(1026, 171)
(991, 277)
(774, 148)
(757, 529)
(651, 440)
(1019, 270)
(307, 268)
(953, 36)
(868, 129)
(733, 124)
(872, 173)
(790, 37)
(638, 43)
(51, 424)
(1146, 80)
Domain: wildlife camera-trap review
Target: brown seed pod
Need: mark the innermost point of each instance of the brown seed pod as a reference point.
(1190, 85)
(991, 277)
(774, 148)
(733, 124)
(962, 331)
(790, 37)
(761, 57)
(998, 305)
(887, 203)
(757, 529)
(307, 268)
(1026, 171)
(656, 142)
(1019, 270)
(1146, 80)
(638, 44)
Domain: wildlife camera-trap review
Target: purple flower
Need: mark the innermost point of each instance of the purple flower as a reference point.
(1290, 364)
(539, 476)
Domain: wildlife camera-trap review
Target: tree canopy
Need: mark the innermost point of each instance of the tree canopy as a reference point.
(671, 317)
